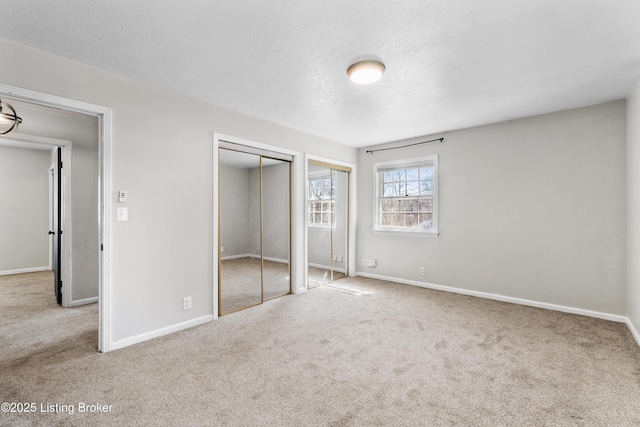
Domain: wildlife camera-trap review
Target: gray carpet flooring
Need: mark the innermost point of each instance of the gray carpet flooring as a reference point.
(391, 355)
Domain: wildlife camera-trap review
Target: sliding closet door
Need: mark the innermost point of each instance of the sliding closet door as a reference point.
(240, 269)
(276, 220)
(328, 222)
(340, 230)
(321, 218)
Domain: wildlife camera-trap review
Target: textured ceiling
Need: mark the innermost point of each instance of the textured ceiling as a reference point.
(450, 64)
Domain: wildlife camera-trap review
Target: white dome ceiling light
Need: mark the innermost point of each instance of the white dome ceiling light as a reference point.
(366, 72)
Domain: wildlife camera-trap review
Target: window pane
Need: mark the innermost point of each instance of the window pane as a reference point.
(400, 189)
(399, 175)
(426, 187)
(326, 193)
(386, 220)
(386, 205)
(429, 173)
(388, 190)
(411, 205)
(397, 205)
(426, 205)
(426, 220)
(317, 218)
(412, 174)
(387, 177)
(411, 220)
(413, 188)
(397, 220)
(325, 218)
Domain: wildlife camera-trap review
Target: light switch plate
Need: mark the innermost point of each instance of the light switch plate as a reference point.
(122, 196)
(123, 214)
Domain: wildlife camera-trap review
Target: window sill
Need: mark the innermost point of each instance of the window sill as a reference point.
(430, 233)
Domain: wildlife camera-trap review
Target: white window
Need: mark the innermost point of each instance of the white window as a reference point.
(321, 200)
(407, 195)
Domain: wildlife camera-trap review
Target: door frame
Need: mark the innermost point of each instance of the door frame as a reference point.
(32, 142)
(104, 115)
(296, 170)
(351, 237)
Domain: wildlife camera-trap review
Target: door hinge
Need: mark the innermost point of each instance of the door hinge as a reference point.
(101, 247)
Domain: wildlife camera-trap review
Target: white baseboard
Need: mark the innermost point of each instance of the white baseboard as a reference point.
(503, 298)
(24, 270)
(227, 258)
(281, 261)
(160, 332)
(633, 330)
(84, 301)
(327, 267)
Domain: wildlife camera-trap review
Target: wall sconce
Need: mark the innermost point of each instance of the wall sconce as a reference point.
(8, 121)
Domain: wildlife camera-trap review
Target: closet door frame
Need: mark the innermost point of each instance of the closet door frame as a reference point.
(352, 214)
(297, 173)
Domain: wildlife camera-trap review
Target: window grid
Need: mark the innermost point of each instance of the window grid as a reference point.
(321, 203)
(405, 197)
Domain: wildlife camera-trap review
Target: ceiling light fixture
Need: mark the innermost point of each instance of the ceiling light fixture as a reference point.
(8, 121)
(366, 72)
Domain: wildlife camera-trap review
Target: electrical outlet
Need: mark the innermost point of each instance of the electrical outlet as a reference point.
(370, 262)
(422, 271)
(221, 249)
(186, 303)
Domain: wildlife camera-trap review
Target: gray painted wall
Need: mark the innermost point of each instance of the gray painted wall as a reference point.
(633, 212)
(234, 210)
(24, 208)
(164, 252)
(532, 208)
(276, 210)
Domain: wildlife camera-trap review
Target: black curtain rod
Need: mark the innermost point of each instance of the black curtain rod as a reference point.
(405, 146)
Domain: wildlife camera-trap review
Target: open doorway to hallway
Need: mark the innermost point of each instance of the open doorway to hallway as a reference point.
(35, 236)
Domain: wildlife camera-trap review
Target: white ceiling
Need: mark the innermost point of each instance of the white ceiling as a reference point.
(450, 64)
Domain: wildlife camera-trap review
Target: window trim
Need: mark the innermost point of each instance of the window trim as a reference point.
(434, 231)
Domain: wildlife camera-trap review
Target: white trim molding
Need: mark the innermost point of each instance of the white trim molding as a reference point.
(633, 330)
(84, 301)
(160, 332)
(504, 298)
(24, 270)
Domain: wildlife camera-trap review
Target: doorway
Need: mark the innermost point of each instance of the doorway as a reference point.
(25, 212)
(99, 205)
(254, 220)
(327, 222)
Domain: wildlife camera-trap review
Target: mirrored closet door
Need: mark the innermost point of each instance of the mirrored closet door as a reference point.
(255, 227)
(327, 222)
